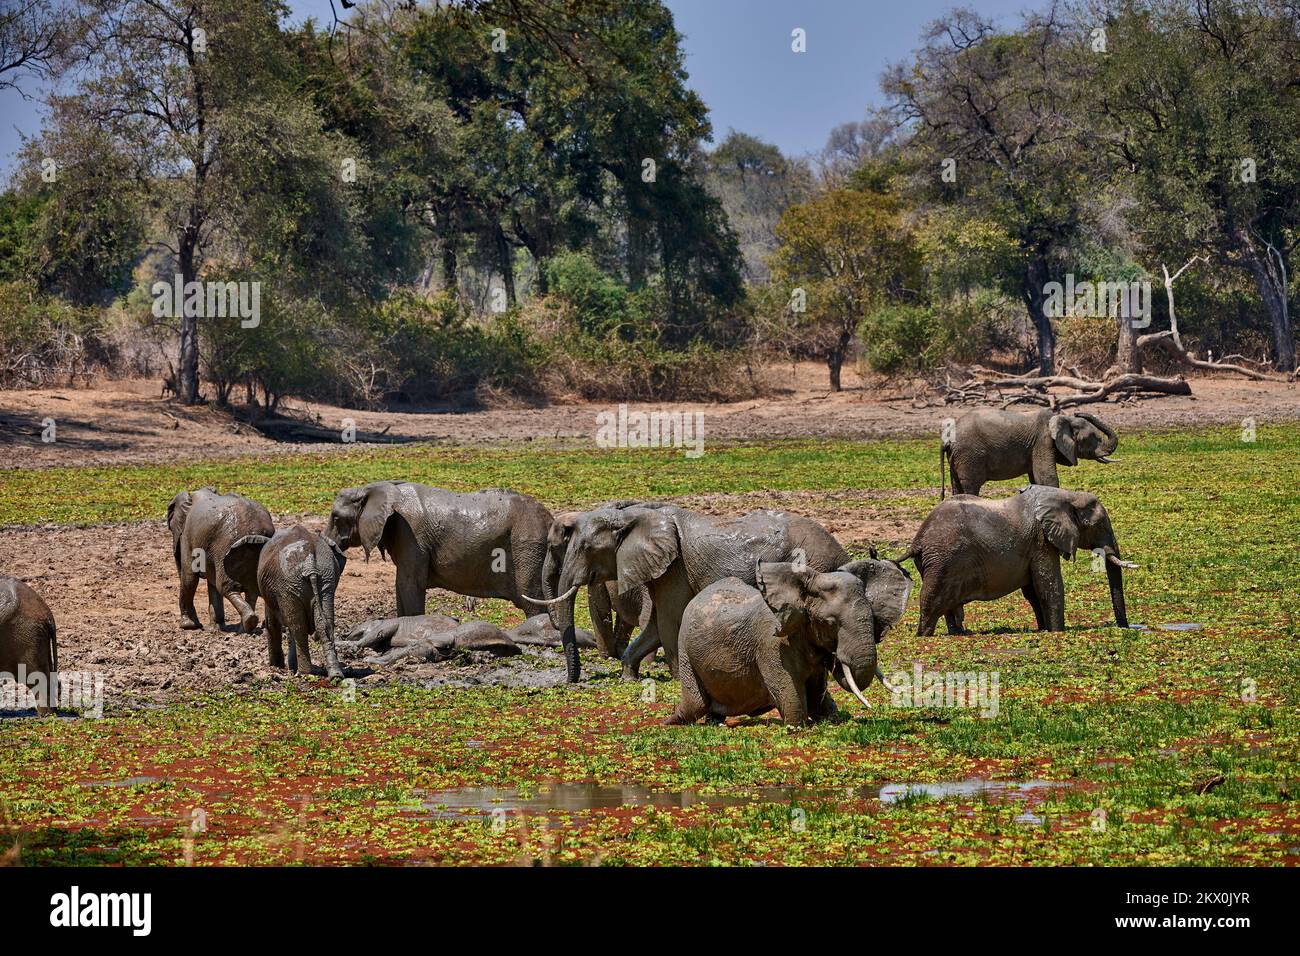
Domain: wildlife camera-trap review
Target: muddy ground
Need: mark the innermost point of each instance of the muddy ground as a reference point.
(129, 422)
(113, 588)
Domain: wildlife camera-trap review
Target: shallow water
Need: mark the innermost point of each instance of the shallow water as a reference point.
(472, 802)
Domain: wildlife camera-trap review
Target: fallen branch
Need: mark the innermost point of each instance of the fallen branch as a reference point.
(1167, 341)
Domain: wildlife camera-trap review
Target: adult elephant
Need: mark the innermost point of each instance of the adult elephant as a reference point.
(981, 549)
(614, 615)
(205, 525)
(488, 544)
(991, 445)
(675, 554)
(745, 650)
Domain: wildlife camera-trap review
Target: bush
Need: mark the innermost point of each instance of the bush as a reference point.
(1087, 343)
(43, 337)
(901, 338)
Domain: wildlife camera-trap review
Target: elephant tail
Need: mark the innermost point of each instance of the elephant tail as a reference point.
(943, 453)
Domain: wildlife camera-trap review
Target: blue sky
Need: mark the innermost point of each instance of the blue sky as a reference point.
(740, 62)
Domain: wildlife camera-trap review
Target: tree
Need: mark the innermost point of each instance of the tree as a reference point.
(842, 254)
(1202, 100)
(33, 35)
(993, 119)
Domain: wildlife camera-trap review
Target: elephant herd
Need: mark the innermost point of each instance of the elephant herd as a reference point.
(753, 612)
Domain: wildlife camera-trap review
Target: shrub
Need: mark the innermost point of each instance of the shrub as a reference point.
(43, 337)
(901, 338)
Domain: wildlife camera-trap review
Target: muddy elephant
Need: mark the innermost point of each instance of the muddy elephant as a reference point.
(204, 524)
(395, 632)
(487, 544)
(29, 651)
(614, 615)
(991, 445)
(981, 549)
(439, 645)
(297, 572)
(675, 554)
(746, 649)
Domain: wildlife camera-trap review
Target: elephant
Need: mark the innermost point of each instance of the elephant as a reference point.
(28, 641)
(488, 544)
(981, 549)
(432, 645)
(613, 615)
(990, 445)
(746, 649)
(676, 554)
(382, 635)
(296, 571)
(204, 524)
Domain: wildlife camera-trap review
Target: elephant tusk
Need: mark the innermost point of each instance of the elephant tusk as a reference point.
(563, 597)
(883, 683)
(853, 685)
(1118, 563)
(1107, 459)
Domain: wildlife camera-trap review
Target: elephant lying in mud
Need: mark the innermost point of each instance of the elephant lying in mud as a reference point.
(439, 636)
(487, 544)
(675, 554)
(990, 445)
(204, 524)
(28, 641)
(296, 571)
(745, 650)
(981, 549)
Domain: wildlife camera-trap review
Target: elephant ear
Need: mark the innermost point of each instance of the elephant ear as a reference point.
(1062, 432)
(648, 544)
(177, 512)
(240, 562)
(557, 536)
(888, 586)
(376, 507)
(785, 590)
(1054, 514)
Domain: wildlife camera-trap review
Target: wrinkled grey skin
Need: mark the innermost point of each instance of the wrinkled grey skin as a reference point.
(487, 544)
(393, 632)
(27, 637)
(745, 650)
(211, 522)
(981, 549)
(990, 445)
(676, 554)
(614, 616)
(441, 645)
(297, 572)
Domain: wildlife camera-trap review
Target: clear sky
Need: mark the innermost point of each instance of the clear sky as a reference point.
(740, 61)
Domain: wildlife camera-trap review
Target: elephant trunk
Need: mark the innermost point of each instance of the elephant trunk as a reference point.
(562, 618)
(1115, 575)
(1112, 439)
(855, 663)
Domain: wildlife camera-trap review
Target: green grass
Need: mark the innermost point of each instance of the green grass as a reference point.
(1187, 742)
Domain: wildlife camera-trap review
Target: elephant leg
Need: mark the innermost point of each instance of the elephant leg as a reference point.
(694, 703)
(189, 586)
(670, 595)
(931, 611)
(1045, 569)
(274, 640)
(644, 645)
(1032, 597)
(956, 620)
(412, 578)
(790, 695)
(821, 705)
(247, 616)
(602, 619)
(301, 639)
(216, 604)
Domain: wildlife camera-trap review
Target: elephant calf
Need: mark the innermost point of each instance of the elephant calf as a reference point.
(297, 571)
(28, 645)
(204, 524)
(981, 549)
(989, 445)
(745, 650)
(441, 645)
